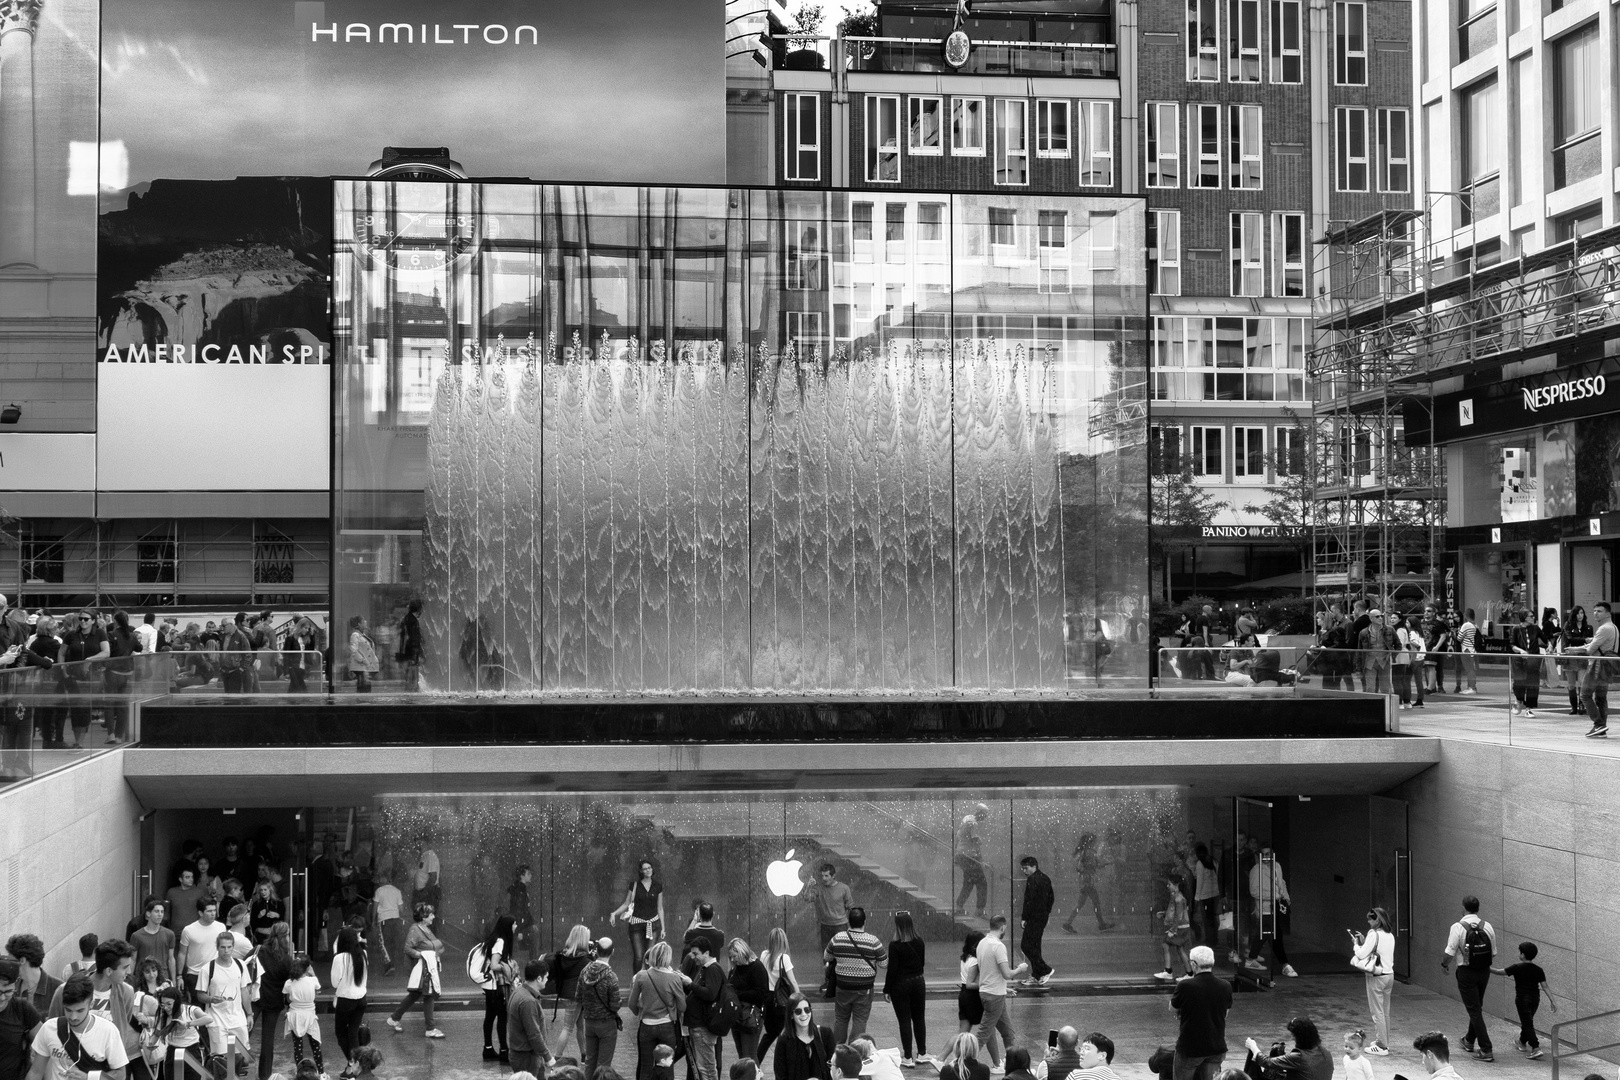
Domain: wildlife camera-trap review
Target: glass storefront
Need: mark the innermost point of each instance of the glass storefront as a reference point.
(660, 440)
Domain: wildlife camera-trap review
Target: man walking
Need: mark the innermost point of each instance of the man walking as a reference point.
(856, 956)
(995, 977)
(525, 1022)
(1377, 645)
(1600, 672)
(970, 858)
(1472, 943)
(707, 983)
(1201, 1003)
(1038, 901)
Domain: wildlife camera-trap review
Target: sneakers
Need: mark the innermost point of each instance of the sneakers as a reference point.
(1484, 1055)
(1288, 970)
(1164, 976)
(1256, 964)
(1536, 1054)
(908, 1063)
(1042, 981)
(433, 1033)
(1529, 712)
(1598, 732)
(1376, 1051)
(395, 1024)
(1068, 927)
(1521, 1046)
(1232, 957)
(490, 1054)
(1466, 1045)
(1470, 690)
(1103, 928)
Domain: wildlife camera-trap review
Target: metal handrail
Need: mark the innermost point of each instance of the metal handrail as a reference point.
(909, 824)
(1552, 1036)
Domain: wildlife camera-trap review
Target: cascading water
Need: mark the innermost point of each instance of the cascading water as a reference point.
(631, 520)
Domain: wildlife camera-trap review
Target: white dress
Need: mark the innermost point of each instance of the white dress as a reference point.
(301, 1017)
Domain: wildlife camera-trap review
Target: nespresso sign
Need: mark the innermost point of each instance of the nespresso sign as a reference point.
(1550, 398)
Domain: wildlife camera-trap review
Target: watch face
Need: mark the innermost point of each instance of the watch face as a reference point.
(957, 47)
(425, 241)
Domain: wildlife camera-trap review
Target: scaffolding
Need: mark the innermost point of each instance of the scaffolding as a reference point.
(1413, 296)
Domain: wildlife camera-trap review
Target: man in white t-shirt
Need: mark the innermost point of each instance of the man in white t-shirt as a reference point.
(389, 901)
(220, 990)
(426, 882)
(198, 942)
(79, 1041)
(994, 976)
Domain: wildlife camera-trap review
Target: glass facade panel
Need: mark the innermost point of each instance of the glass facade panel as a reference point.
(643, 440)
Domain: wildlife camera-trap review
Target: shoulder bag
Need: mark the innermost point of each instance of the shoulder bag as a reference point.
(1370, 962)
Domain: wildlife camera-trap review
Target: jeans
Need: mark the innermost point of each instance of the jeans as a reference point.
(1379, 990)
(1596, 697)
(393, 936)
(1409, 681)
(995, 1022)
(910, 999)
(1375, 679)
(746, 1040)
(775, 1018)
(1467, 664)
(1201, 1068)
(702, 1046)
(638, 946)
(1471, 984)
(411, 998)
(850, 1007)
(1029, 943)
(268, 1018)
(647, 1037)
(1207, 921)
(601, 1038)
(1527, 1004)
(529, 1062)
(494, 1017)
(350, 1013)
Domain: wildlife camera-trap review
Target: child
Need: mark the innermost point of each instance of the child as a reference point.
(301, 1019)
(1177, 931)
(1528, 983)
(1356, 1067)
(663, 1062)
(87, 958)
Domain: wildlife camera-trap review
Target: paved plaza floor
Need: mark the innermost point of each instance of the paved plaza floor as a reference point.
(1138, 1023)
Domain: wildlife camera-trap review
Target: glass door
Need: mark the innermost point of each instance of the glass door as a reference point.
(1390, 872)
(1251, 832)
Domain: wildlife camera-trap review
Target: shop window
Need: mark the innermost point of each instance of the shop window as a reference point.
(1288, 254)
(882, 139)
(1097, 144)
(1245, 134)
(1287, 41)
(967, 127)
(1394, 151)
(1204, 144)
(801, 143)
(1248, 254)
(1051, 129)
(1243, 50)
(1163, 122)
(1203, 41)
(1164, 252)
(1012, 141)
(1350, 149)
(925, 117)
(1349, 43)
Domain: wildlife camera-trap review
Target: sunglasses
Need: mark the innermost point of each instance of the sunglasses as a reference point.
(805, 1011)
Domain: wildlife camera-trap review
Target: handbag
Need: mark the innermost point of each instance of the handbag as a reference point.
(785, 989)
(1370, 962)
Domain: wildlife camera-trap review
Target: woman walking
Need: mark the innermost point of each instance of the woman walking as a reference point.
(752, 985)
(1526, 664)
(1576, 631)
(362, 655)
(1377, 946)
(567, 966)
(969, 1006)
(658, 997)
(805, 1050)
(494, 977)
(349, 990)
(275, 967)
(642, 911)
(778, 961)
(1206, 895)
(426, 954)
(905, 988)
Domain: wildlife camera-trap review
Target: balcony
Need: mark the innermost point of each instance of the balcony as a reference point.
(912, 56)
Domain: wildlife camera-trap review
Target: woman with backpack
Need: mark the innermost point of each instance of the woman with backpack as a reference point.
(657, 998)
(491, 966)
(778, 961)
(566, 968)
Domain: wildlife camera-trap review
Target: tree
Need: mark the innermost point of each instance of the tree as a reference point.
(1291, 501)
(1181, 508)
(807, 23)
(859, 23)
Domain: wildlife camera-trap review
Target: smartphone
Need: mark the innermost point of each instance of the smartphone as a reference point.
(1051, 1037)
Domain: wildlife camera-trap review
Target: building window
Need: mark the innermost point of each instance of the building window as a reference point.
(1288, 254)
(1287, 42)
(1164, 449)
(1204, 145)
(1290, 453)
(1350, 149)
(1097, 144)
(1578, 107)
(925, 119)
(1476, 27)
(860, 231)
(1052, 129)
(1163, 145)
(1249, 455)
(967, 127)
(1103, 232)
(1003, 227)
(883, 138)
(1394, 151)
(1248, 254)
(1208, 458)
(1164, 252)
(1203, 41)
(1244, 133)
(1349, 43)
(803, 330)
(894, 233)
(1229, 358)
(1243, 51)
(1482, 151)
(44, 558)
(1012, 141)
(801, 144)
(930, 223)
(1052, 231)
(806, 257)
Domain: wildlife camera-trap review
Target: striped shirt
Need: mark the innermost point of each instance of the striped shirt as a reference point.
(858, 955)
(1469, 636)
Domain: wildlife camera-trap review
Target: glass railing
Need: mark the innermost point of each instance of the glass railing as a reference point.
(1036, 58)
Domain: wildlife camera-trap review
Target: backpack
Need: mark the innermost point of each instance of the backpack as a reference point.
(1476, 945)
(725, 1012)
(478, 965)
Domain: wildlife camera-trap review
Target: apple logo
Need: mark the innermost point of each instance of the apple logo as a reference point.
(783, 876)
